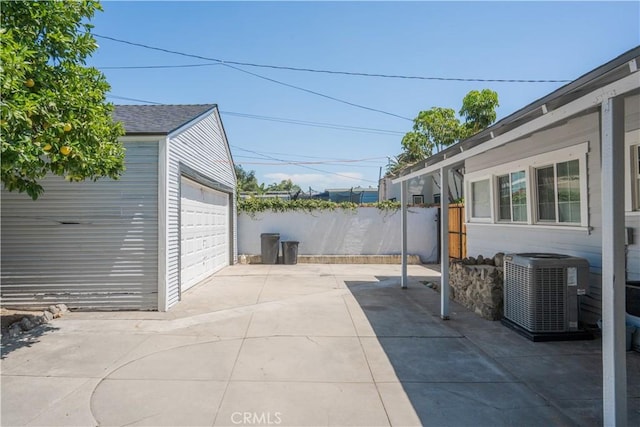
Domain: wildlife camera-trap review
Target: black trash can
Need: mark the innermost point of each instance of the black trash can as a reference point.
(269, 248)
(290, 252)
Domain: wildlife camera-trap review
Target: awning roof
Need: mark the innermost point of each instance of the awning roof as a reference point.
(602, 77)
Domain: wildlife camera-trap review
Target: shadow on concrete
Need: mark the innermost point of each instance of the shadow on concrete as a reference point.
(26, 339)
(471, 371)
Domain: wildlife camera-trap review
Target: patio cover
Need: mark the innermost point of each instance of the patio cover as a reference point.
(599, 90)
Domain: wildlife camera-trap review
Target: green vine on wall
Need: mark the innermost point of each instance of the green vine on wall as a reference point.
(253, 205)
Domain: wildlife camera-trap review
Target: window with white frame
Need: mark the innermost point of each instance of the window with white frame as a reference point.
(547, 189)
(512, 197)
(481, 199)
(558, 193)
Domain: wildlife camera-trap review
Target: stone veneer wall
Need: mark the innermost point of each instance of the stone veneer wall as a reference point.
(477, 283)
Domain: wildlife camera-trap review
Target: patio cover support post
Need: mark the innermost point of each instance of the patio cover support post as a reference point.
(403, 221)
(444, 242)
(614, 368)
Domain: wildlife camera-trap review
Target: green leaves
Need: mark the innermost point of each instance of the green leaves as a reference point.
(53, 114)
(438, 128)
(284, 185)
(253, 205)
(417, 145)
(246, 181)
(479, 111)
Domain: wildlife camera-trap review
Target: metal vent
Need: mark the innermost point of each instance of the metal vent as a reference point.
(539, 295)
(550, 309)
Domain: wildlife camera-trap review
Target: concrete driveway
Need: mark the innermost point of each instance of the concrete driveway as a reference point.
(300, 345)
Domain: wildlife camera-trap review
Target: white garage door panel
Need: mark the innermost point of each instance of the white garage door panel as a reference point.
(204, 232)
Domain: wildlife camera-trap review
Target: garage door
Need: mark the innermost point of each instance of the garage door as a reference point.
(204, 229)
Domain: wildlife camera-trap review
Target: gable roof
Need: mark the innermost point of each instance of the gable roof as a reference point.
(157, 119)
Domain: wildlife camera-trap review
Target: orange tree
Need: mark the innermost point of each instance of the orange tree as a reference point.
(54, 117)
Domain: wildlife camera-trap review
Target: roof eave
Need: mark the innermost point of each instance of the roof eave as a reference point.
(530, 112)
(192, 120)
(146, 133)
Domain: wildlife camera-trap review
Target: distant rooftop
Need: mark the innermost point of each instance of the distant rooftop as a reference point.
(157, 119)
(355, 189)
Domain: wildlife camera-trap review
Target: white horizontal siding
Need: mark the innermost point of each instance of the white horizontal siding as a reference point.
(203, 148)
(632, 113)
(489, 239)
(575, 131)
(633, 250)
(89, 244)
(632, 122)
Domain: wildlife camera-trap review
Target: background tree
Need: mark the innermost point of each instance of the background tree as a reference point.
(53, 112)
(438, 128)
(399, 162)
(416, 145)
(479, 111)
(284, 185)
(247, 181)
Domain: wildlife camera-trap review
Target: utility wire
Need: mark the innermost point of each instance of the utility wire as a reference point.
(313, 157)
(333, 98)
(319, 162)
(258, 153)
(125, 98)
(319, 94)
(298, 163)
(146, 67)
(332, 161)
(314, 70)
(313, 124)
(304, 166)
(284, 120)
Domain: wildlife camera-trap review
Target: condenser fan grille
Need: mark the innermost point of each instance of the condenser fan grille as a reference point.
(550, 299)
(535, 298)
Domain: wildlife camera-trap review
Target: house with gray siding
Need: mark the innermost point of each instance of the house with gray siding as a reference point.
(561, 175)
(426, 188)
(136, 243)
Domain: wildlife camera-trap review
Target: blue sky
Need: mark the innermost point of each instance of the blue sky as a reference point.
(478, 40)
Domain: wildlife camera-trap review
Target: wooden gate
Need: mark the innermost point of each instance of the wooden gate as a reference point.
(457, 232)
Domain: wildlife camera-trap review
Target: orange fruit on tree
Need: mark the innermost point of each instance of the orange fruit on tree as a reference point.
(67, 127)
(47, 147)
(29, 83)
(65, 150)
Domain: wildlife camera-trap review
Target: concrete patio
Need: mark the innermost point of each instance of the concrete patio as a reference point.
(301, 345)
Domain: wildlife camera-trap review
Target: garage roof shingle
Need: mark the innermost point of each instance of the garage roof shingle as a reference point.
(157, 119)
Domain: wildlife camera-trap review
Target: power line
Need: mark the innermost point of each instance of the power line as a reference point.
(284, 120)
(321, 162)
(243, 163)
(313, 124)
(314, 70)
(146, 67)
(226, 64)
(125, 98)
(304, 166)
(318, 93)
(258, 153)
(311, 157)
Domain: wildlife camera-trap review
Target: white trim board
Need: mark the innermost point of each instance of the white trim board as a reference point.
(592, 99)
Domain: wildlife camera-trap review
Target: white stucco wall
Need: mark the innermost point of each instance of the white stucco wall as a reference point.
(366, 231)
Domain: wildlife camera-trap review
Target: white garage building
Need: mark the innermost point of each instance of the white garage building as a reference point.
(136, 243)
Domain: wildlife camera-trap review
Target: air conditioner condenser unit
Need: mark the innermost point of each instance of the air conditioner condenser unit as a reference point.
(541, 295)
